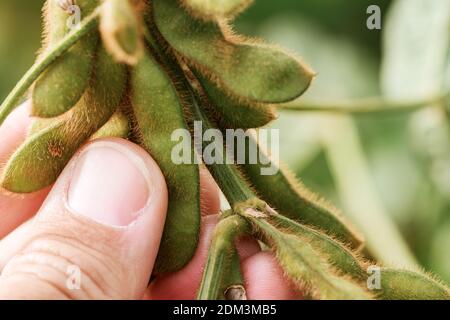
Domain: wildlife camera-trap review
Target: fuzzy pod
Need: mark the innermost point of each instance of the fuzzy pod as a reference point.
(289, 197)
(222, 278)
(63, 84)
(213, 9)
(121, 31)
(40, 160)
(158, 111)
(308, 268)
(118, 127)
(337, 254)
(410, 285)
(228, 60)
(234, 114)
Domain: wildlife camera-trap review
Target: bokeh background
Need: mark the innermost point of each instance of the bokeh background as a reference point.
(388, 172)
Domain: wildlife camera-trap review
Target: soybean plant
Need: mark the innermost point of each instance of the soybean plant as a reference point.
(141, 69)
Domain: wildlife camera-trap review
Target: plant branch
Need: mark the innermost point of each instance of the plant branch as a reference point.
(365, 105)
(12, 100)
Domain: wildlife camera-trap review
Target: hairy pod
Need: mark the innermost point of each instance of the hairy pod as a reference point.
(40, 160)
(229, 61)
(308, 268)
(121, 30)
(117, 126)
(290, 198)
(158, 110)
(234, 114)
(337, 254)
(213, 9)
(63, 84)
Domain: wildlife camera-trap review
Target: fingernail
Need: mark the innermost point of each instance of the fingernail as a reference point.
(110, 184)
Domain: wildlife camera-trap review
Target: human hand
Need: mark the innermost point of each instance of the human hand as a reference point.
(96, 236)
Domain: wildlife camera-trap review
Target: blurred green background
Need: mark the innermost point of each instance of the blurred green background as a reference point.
(389, 173)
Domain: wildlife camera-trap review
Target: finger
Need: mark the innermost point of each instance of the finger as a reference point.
(183, 285)
(209, 193)
(103, 221)
(14, 208)
(264, 279)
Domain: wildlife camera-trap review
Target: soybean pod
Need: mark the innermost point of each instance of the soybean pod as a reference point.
(40, 160)
(229, 61)
(64, 82)
(121, 31)
(158, 110)
(307, 267)
(234, 114)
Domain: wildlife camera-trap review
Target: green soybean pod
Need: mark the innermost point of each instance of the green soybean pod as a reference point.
(229, 60)
(158, 110)
(233, 114)
(290, 198)
(410, 285)
(40, 160)
(63, 84)
(308, 268)
(213, 9)
(341, 257)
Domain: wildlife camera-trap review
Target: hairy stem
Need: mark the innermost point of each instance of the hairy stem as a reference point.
(365, 105)
(12, 100)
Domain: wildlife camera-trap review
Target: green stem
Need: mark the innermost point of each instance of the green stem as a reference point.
(12, 100)
(366, 105)
(220, 256)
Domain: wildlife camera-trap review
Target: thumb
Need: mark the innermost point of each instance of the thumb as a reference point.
(97, 234)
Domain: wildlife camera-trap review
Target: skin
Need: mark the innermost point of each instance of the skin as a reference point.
(105, 239)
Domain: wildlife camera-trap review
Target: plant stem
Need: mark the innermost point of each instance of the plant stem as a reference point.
(227, 176)
(366, 105)
(12, 100)
(220, 256)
